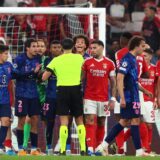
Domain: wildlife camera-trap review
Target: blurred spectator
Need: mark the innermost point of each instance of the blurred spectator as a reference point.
(18, 31)
(10, 3)
(2, 3)
(115, 46)
(97, 3)
(149, 3)
(117, 16)
(151, 28)
(71, 25)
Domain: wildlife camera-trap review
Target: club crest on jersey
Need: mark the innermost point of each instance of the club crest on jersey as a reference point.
(124, 64)
(15, 65)
(104, 65)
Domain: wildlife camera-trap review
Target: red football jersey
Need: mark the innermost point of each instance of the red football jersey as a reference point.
(97, 73)
(149, 83)
(142, 66)
(158, 68)
(120, 54)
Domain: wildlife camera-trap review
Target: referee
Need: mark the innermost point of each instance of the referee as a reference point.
(67, 68)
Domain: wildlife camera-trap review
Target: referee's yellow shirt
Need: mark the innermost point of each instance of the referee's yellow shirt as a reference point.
(67, 68)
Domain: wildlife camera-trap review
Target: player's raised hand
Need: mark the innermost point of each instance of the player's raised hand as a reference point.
(123, 103)
(38, 67)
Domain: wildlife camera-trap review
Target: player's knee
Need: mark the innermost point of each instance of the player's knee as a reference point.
(101, 121)
(123, 122)
(21, 122)
(135, 121)
(89, 119)
(5, 122)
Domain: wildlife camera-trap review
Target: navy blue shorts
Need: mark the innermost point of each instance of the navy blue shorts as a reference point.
(26, 106)
(132, 110)
(48, 110)
(5, 110)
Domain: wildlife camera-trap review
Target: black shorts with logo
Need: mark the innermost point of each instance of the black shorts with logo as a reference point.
(69, 101)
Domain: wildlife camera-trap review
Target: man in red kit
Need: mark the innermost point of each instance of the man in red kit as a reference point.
(142, 71)
(149, 102)
(96, 72)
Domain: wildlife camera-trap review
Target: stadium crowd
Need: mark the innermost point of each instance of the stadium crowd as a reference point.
(56, 71)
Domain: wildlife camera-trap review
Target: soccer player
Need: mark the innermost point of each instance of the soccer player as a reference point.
(81, 44)
(67, 68)
(127, 79)
(149, 102)
(27, 98)
(142, 72)
(96, 72)
(49, 106)
(41, 49)
(5, 109)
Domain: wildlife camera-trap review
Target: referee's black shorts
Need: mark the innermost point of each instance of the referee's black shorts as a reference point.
(69, 101)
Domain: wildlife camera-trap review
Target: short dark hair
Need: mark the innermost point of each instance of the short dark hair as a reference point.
(99, 42)
(135, 42)
(3, 48)
(55, 42)
(29, 42)
(83, 37)
(149, 51)
(67, 43)
(153, 8)
(127, 35)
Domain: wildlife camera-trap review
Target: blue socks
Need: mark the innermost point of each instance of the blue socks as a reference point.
(20, 138)
(114, 132)
(34, 139)
(135, 136)
(3, 133)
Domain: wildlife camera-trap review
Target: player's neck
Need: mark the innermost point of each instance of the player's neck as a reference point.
(133, 53)
(1, 62)
(29, 55)
(67, 51)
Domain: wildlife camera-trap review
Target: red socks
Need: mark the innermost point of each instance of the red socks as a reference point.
(120, 142)
(99, 134)
(8, 143)
(90, 135)
(144, 135)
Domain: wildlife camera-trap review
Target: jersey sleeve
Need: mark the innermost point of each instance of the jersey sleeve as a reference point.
(124, 66)
(112, 70)
(51, 66)
(158, 68)
(17, 73)
(145, 67)
(84, 66)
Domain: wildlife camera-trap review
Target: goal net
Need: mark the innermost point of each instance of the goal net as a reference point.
(51, 23)
(19, 24)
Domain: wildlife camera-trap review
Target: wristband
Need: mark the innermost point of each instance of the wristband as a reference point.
(113, 99)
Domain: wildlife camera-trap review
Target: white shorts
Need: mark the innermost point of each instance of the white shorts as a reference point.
(117, 108)
(142, 103)
(149, 115)
(96, 107)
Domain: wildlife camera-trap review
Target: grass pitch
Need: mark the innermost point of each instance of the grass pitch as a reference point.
(76, 158)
